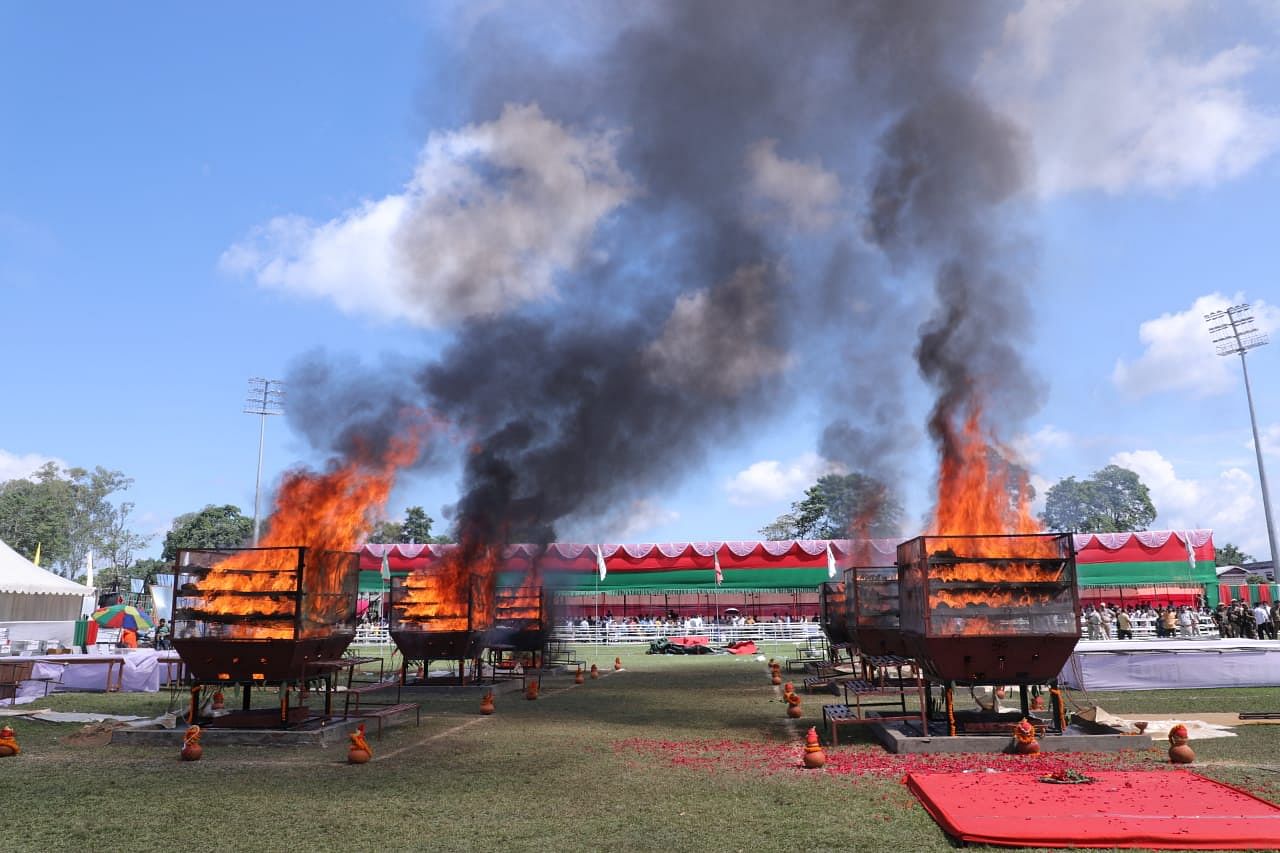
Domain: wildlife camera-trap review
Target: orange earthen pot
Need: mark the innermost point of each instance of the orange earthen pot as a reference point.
(577, 677)
(595, 671)
(617, 664)
(814, 757)
(531, 692)
(775, 679)
(793, 711)
(486, 704)
(191, 748)
(1179, 751)
(355, 755)
(8, 743)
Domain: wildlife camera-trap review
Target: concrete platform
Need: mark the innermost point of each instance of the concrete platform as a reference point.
(1081, 736)
(318, 733)
(329, 733)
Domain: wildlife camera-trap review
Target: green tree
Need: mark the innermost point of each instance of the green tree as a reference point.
(839, 506)
(69, 513)
(1113, 500)
(417, 525)
(387, 533)
(1229, 555)
(119, 542)
(415, 529)
(212, 527)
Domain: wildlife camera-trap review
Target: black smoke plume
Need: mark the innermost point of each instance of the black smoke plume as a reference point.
(698, 320)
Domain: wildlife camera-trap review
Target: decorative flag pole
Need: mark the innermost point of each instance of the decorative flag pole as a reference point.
(385, 586)
(602, 570)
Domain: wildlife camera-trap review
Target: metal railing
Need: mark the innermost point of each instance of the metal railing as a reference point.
(620, 633)
(1144, 628)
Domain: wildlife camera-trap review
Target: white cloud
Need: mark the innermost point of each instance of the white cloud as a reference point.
(1115, 100)
(21, 466)
(1041, 486)
(492, 214)
(770, 481)
(1031, 449)
(629, 522)
(802, 194)
(1270, 440)
(1229, 503)
(1179, 353)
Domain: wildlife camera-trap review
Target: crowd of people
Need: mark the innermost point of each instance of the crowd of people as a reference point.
(1237, 619)
(674, 621)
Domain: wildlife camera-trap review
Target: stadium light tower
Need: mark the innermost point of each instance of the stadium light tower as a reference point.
(266, 397)
(1236, 336)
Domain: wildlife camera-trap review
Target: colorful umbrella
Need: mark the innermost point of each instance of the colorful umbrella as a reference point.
(121, 616)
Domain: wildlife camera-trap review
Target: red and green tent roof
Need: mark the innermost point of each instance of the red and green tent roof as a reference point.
(649, 567)
(1102, 559)
(1149, 557)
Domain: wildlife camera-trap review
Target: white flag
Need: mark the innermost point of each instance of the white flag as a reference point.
(719, 574)
(831, 562)
(386, 565)
(600, 561)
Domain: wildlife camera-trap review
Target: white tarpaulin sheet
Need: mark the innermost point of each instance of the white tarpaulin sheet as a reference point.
(1172, 665)
(141, 674)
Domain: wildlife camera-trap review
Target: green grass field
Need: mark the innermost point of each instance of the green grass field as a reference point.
(672, 753)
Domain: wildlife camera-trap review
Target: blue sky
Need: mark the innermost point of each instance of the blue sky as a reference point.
(143, 145)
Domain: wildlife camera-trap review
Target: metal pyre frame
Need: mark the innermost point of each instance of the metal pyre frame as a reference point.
(263, 617)
(990, 610)
(519, 626)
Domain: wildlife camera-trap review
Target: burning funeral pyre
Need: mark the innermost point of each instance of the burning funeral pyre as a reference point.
(872, 609)
(456, 610)
(274, 615)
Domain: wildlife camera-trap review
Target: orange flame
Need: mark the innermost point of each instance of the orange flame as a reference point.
(978, 496)
(322, 512)
(974, 488)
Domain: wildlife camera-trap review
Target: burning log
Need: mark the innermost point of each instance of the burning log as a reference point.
(989, 609)
(262, 615)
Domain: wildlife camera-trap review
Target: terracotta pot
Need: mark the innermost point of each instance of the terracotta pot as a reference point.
(486, 704)
(1180, 753)
(192, 752)
(793, 711)
(531, 692)
(355, 755)
(775, 679)
(218, 700)
(577, 677)
(595, 671)
(814, 757)
(617, 664)
(1026, 747)
(7, 750)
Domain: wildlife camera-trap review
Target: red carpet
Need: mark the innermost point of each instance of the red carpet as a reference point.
(1170, 810)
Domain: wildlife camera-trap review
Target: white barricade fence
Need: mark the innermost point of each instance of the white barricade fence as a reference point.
(625, 633)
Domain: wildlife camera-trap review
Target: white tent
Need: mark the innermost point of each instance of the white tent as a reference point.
(28, 593)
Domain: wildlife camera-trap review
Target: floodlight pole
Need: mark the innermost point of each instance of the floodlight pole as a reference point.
(266, 397)
(1236, 337)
